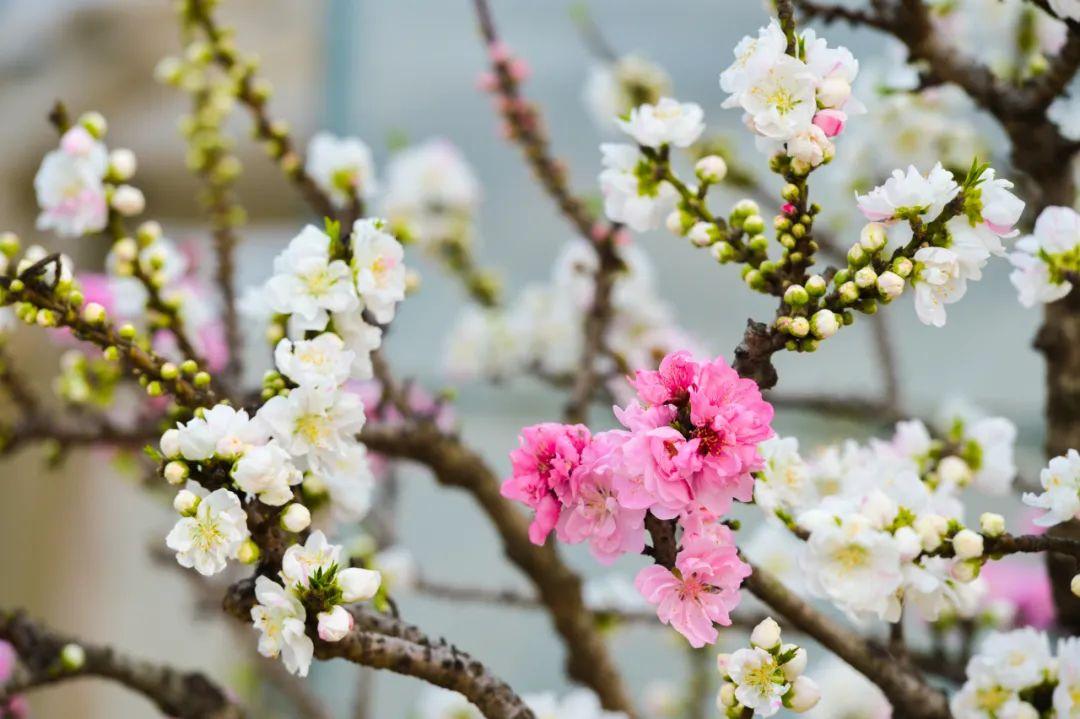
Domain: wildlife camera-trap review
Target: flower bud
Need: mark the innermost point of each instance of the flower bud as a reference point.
(872, 237)
(966, 571)
(170, 443)
(754, 225)
(930, 527)
(796, 296)
(992, 525)
(805, 695)
(335, 624)
(908, 542)
(890, 285)
(849, 292)
(902, 266)
(1074, 585)
(967, 544)
(128, 200)
(795, 666)
(723, 661)
(703, 234)
(125, 249)
(248, 552)
(816, 285)
(122, 164)
(72, 657)
(176, 472)
(800, 327)
(711, 168)
(296, 518)
(186, 502)
(856, 256)
(745, 208)
(725, 698)
(824, 324)
(723, 252)
(766, 634)
(94, 123)
(94, 313)
(865, 277)
(953, 470)
(358, 585)
(674, 223)
(833, 91)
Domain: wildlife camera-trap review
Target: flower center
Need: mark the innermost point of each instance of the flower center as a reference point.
(311, 427)
(851, 556)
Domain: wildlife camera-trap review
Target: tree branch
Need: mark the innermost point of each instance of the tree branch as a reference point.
(187, 695)
(558, 587)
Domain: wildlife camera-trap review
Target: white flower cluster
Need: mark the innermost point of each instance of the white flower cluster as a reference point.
(432, 193)
(541, 329)
(793, 104)
(1046, 258)
(342, 167)
(615, 88)
(1061, 490)
(765, 677)
(436, 703)
(632, 193)
(78, 182)
(983, 211)
(1014, 675)
(313, 579)
(876, 515)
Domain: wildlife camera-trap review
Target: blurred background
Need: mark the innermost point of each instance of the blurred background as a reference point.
(75, 540)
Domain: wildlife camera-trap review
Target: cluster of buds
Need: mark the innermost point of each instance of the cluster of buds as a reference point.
(869, 277)
(765, 677)
(520, 118)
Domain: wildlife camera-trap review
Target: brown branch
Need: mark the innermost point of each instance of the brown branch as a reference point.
(909, 695)
(383, 642)
(526, 129)
(187, 695)
(30, 287)
(558, 587)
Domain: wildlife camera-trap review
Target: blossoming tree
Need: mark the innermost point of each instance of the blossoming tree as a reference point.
(270, 482)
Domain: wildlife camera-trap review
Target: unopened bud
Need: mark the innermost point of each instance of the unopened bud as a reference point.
(296, 518)
(800, 327)
(865, 277)
(711, 168)
(967, 544)
(72, 657)
(992, 524)
(766, 634)
(824, 324)
(796, 296)
(176, 472)
(128, 200)
(703, 234)
(890, 285)
(186, 502)
(248, 552)
(122, 164)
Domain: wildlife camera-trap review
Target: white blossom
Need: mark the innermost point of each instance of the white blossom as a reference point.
(1066, 9)
(759, 682)
(302, 560)
(432, 190)
(1014, 660)
(1057, 234)
(783, 482)
(69, 186)
(341, 166)
(938, 281)
(1061, 490)
(379, 268)
(221, 431)
(613, 89)
(1067, 693)
(360, 338)
(307, 284)
(205, 540)
(780, 101)
(319, 362)
(908, 194)
(350, 483)
(314, 422)
(267, 472)
(668, 122)
(280, 616)
(640, 204)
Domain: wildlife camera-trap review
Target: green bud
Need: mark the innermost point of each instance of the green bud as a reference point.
(865, 277)
(754, 225)
(849, 292)
(758, 243)
(767, 268)
(755, 280)
(816, 285)
(869, 307)
(248, 552)
(902, 266)
(798, 230)
(154, 389)
(127, 332)
(796, 296)
(112, 353)
(189, 367)
(169, 371)
(16, 286)
(94, 123)
(787, 240)
(800, 327)
(723, 252)
(857, 256)
(9, 244)
(745, 208)
(782, 223)
(72, 657)
(202, 380)
(791, 192)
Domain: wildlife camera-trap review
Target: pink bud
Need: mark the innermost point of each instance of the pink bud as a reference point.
(486, 82)
(520, 70)
(498, 51)
(598, 231)
(787, 208)
(831, 122)
(622, 238)
(77, 141)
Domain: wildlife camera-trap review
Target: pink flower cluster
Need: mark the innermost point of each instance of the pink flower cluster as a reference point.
(687, 451)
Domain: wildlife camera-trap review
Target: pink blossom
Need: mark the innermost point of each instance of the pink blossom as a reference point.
(487, 82)
(657, 462)
(1024, 585)
(671, 383)
(595, 513)
(702, 593)
(97, 287)
(17, 707)
(542, 468)
(831, 122)
(729, 419)
(7, 660)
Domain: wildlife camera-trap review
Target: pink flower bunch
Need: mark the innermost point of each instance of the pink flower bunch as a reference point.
(688, 449)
